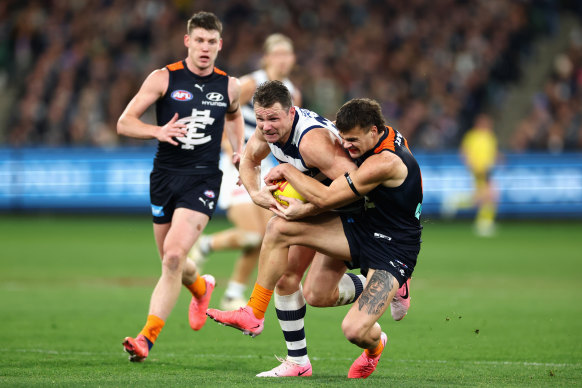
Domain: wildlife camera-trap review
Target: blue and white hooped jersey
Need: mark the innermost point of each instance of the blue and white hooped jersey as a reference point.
(305, 120)
(248, 111)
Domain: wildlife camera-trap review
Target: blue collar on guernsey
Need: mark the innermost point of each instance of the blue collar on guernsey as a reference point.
(370, 152)
(292, 133)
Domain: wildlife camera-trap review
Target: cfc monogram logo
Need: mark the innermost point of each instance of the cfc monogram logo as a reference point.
(196, 124)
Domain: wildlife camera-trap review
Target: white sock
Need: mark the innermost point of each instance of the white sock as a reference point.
(350, 288)
(205, 246)
(250, 240)
(291, 313)
(235, 290)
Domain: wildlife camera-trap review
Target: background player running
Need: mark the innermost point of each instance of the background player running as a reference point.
(195, 102)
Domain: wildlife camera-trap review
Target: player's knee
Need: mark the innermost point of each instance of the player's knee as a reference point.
(288, 283)
(173, 259)
(278, 230)
(353, 331)
(313, 297)
(270, 233)
(309, 294)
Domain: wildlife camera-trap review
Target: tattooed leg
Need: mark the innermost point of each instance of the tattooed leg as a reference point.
(374, 299)
(360, 324)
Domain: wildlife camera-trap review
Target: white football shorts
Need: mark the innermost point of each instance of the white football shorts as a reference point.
(230, 192)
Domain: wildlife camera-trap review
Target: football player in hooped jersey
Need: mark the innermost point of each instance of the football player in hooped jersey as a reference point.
(384, 241)
(195, 103)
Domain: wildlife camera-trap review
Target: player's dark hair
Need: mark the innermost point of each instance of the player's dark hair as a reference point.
(362, 112)
(206, 20)
(271, 92)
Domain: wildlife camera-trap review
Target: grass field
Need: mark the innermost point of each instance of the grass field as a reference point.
(505, 311)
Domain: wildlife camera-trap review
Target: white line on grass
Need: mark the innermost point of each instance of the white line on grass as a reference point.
(199, 355)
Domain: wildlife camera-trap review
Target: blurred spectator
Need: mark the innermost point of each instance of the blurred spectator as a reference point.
(554, 122)
(74, 62)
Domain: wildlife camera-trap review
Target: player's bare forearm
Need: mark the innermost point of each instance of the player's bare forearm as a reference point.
(297, 209)
(234, 122)
(133, 127)
(335, 195)
(250, 175)
(234, 128)
(129, 123)
(312, 190)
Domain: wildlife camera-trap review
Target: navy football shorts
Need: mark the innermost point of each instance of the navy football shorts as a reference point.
(368, 251)
(195, 192)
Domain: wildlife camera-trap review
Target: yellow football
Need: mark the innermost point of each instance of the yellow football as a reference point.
(285, 189)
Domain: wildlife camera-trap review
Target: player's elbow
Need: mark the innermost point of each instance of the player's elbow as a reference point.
(234, 116)
(317, 201)
(125, 124)
(121, 125)
(314, 198)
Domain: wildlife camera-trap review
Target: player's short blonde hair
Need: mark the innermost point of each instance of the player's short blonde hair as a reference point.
(274, 40)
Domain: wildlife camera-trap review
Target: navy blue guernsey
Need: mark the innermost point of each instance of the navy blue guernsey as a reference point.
(394, 212)
(201, 104)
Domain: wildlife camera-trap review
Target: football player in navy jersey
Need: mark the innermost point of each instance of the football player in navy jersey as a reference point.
(195, 102)
(384, 241)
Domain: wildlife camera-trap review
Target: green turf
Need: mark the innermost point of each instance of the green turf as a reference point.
(504, 311)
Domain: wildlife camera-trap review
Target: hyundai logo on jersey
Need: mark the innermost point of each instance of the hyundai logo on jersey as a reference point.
(181, 95)
(214, 96)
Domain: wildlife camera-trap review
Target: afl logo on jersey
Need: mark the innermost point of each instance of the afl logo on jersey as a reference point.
(181, 95)
(214, 96)
(209, 193)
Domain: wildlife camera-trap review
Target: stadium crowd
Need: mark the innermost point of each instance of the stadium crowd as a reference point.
(434, 65)
(554, 121)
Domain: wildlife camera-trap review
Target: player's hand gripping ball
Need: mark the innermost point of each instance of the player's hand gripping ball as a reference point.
(285, 189)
